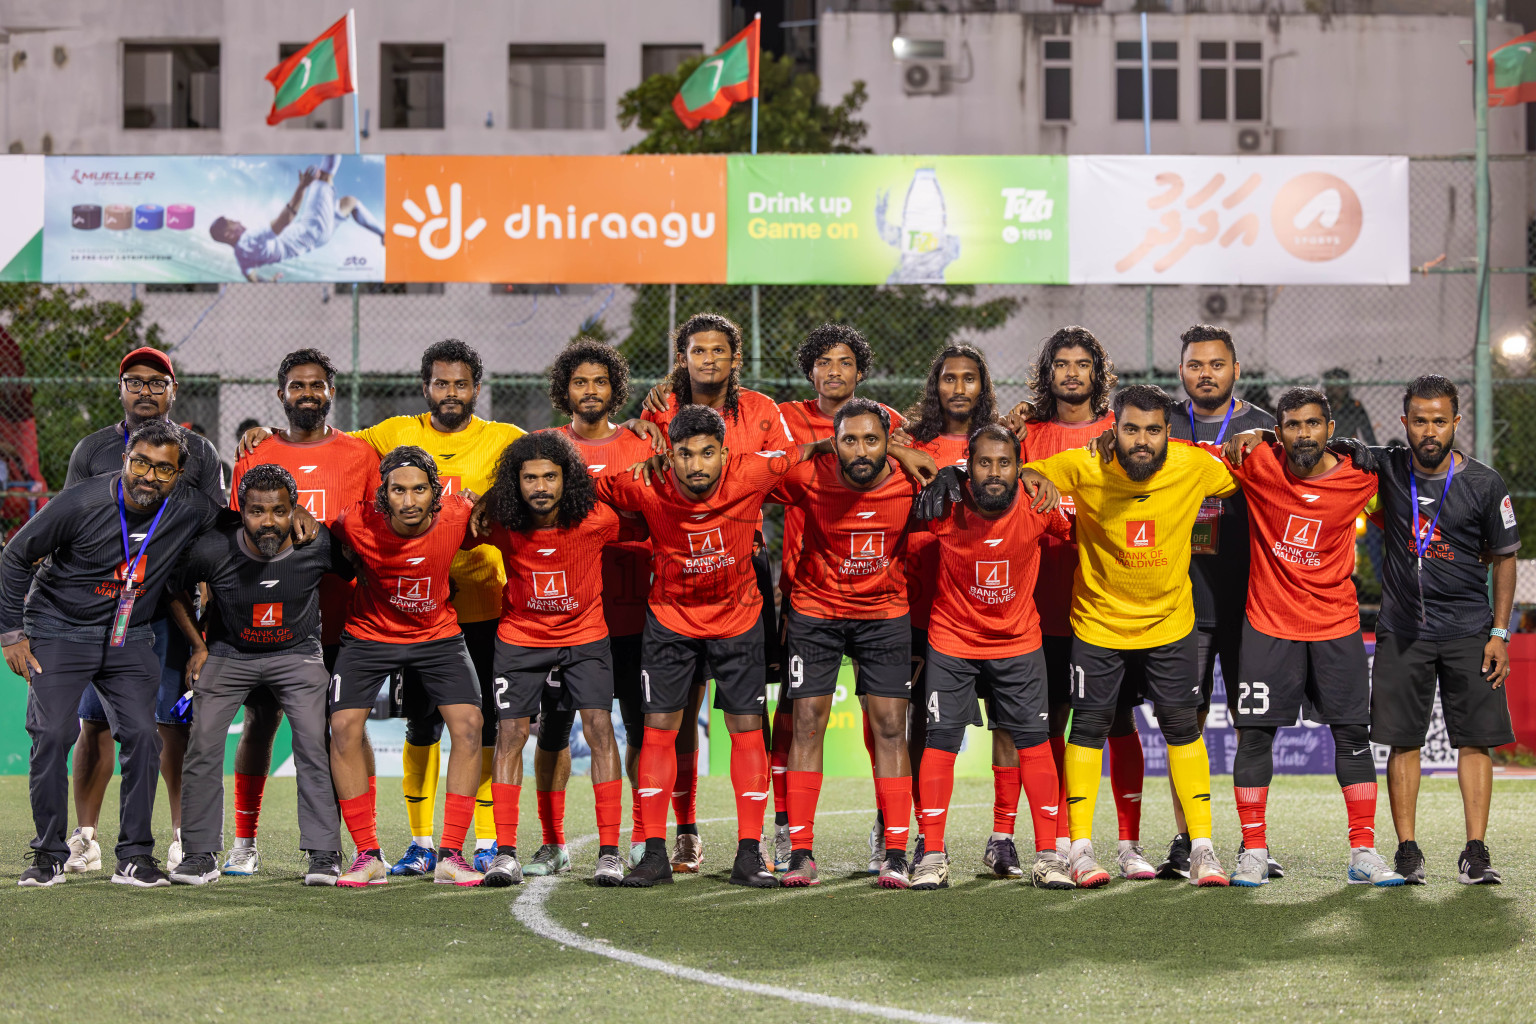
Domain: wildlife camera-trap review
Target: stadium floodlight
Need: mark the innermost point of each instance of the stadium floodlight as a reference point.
(1515, 346)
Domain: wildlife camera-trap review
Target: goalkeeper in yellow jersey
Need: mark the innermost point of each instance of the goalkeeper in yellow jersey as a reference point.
(1133, 614)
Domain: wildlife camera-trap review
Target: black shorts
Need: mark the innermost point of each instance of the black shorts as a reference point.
(1014, 690)
(1329, 677)
(524, 675)
(919, 659)
(1057, 652)
(878, 646)
(1167, 674)
(1223, 644)
(410, 702)
(442, 668)
(1403, 680)
(670, 662)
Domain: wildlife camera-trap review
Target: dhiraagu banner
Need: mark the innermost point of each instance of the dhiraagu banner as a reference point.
(860, 219)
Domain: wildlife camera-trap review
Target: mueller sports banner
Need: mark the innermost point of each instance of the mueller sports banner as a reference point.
(557, 219)
(191, 219)
(21, 229)
(1239, 220)
(897, 219)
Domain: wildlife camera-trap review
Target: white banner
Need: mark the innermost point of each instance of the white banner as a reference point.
(1238, 220)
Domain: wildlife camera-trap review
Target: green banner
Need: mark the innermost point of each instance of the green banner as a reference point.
(859, 219)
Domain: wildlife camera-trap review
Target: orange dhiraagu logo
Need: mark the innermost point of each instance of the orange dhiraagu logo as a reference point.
(1316, 217)
(556, 220)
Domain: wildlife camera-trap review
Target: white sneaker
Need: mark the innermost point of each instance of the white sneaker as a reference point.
(877, 845)
(1133, 863)
(84, 851)
(242, 860)
(1205, 868)
(173, 853)
(1086, 872)
(1367, 867)
(1252, 868)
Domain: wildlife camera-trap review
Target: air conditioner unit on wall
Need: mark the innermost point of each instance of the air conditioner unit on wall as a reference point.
(922, 77)
(1249, 140)
(1233, 303)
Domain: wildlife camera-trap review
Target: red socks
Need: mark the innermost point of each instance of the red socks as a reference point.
(358, 813)
(658, 774)
(1251, 801)
(636, 825)
(458, 812)
(895, 801)
(248, 790)
(1059, 755)
(1037, 770)
(552, 815)
(610, 808)
(803, 789)
(685, 788)
(937, 782)
(749, 778)
(1005, 796)
(783, 739)
(1127, 766)
(504, 800)
(1360, 801)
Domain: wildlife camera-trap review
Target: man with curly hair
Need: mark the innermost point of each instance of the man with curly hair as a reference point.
(545, 520)
(406, 541)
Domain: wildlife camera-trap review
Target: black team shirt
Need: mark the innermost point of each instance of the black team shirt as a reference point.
(74, 593)
(262, 605)
(1478, 516)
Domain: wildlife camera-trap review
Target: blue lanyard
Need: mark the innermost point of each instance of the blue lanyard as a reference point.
(1422, 538)
(1225, 423)
(130, 560)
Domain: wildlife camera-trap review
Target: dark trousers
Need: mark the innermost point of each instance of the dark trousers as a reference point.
(127, 679)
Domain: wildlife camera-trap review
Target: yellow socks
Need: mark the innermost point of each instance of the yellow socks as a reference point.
(1085, 766)
(1190, 768)
(419, 784)
(485, 818)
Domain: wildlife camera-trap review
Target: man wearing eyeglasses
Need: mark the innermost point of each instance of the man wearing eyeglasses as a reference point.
(147, 386)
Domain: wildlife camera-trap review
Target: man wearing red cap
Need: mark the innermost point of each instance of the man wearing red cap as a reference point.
(147, 386)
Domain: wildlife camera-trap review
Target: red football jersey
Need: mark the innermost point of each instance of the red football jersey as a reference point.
(701, 551)
(984, 607)
(331, 474)
(807, 424)
(1301, 543)
(922, 551)
(554, 595)
(403, 593)
(756, 427)
(1058, 555)
(852, 564)
(626, 564)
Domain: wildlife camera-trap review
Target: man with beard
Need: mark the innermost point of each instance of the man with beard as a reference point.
(147, 387)
(1072, 379)
(1132, 610)
(331, 470)
(263, 634)
(1301, 637)
(984, 639)
(107, 545)
(544, 518)
(1442, 512)
(1208, 369)
(850, 599)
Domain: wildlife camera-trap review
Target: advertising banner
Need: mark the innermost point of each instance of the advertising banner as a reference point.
(897, 219)
(21, 229)
(214, 218)
(1239, 220)
(557, 219)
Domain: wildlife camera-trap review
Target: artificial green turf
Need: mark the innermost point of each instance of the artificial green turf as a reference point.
(1305, 948)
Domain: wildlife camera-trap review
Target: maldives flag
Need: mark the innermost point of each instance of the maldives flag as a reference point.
(1512, 72)
(325, 68)
(728, 76)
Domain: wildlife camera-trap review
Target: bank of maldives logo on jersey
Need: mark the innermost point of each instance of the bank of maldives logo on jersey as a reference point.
(1303, 532)
(706, 543)
(413, 588)
(866, 546)
(313, 501)
(992, 575)
(1141, 533)
(267, 616)
(548, 586)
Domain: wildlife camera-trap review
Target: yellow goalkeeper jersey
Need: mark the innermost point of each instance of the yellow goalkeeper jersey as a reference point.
(466, 460)
(1131, 589)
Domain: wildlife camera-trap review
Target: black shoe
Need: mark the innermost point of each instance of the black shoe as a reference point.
(749, 869)
(1474, 866)
(1409, 862)
(46, 870)
(1176, 865)
(654, 869)
(194, 869)
(142, 872)
(324, 867)
(1275, 870)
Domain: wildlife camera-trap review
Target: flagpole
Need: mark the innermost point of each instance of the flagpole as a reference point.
(1146, 145)
(757, 326)
(1482, 365)
(357, 150)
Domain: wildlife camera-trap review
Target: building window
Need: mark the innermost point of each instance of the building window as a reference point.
(555, 86)
(1241, 65)
(1165, 81)
(663, 58)
(1058, 80)
(411, 85)
(326, 115)
(170, 85)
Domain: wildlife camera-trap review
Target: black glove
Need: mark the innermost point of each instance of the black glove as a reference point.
(934, 500)
(1356, 451)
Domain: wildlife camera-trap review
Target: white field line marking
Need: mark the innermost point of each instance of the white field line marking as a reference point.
(529, 909)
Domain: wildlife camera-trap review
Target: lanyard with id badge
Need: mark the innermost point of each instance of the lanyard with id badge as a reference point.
(1423, 537)
(126, 592)
(1205, 536)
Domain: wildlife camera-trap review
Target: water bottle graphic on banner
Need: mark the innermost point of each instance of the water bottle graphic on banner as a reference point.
(922, 238)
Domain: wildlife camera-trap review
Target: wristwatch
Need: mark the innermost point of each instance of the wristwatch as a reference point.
(1502, 634)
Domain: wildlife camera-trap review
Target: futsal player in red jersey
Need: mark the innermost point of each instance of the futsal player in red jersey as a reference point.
(401, 618)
